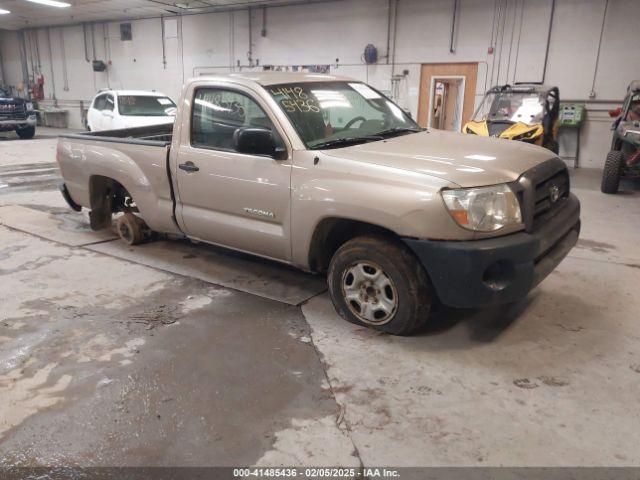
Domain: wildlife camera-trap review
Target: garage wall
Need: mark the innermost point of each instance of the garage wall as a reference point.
(336, 33)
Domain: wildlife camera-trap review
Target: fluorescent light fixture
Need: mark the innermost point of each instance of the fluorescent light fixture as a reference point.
(4, 12)
(51, 3)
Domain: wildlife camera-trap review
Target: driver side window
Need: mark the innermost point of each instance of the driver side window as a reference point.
(99, 103)
(218, 113)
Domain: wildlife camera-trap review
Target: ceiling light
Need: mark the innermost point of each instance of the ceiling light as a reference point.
(4, 12)
(51, 3)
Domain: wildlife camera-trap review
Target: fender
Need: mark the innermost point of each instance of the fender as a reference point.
(324, 193)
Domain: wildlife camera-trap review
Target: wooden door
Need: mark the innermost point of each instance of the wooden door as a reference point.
(430, 70)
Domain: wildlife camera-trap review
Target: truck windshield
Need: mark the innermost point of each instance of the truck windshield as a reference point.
(511, 107)
(3, 93)
(146, 106)
(337, 114)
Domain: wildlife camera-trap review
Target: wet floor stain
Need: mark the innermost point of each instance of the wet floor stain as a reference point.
(525, 383)
(157, 316)
(7, 251)
(68, 220)
(596, 247)
(570, 328)
(553, 382)
(167, 371)
(549, 381)
(24, 394)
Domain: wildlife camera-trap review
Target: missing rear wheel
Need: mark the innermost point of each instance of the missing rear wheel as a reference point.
(132, 229)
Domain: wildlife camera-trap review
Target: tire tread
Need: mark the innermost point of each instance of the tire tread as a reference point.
(612, 172)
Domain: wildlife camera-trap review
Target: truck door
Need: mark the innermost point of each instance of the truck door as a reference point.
(94, 116)
(226, 197)
(108, 113)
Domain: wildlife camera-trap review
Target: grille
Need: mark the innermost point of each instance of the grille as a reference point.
(549, 193)
(542, 192)
(13, 112)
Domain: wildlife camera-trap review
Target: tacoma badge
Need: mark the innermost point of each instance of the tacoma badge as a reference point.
(258, 212)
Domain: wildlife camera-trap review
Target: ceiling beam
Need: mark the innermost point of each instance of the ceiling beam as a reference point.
(108, 17)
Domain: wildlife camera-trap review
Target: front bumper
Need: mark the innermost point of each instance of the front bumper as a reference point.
(469, 274)
(14, 123)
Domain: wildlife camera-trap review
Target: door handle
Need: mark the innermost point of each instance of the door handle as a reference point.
(189, 167)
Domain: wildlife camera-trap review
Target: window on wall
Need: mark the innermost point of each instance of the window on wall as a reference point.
(126, 35)
(218, 113)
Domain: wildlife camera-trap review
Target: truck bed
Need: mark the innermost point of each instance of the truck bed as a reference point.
(154, 135)
(136, 158)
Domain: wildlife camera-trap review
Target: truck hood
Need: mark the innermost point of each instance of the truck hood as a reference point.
(467, 160)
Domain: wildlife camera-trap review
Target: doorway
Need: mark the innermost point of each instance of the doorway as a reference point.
(447, 102)
(447, 95)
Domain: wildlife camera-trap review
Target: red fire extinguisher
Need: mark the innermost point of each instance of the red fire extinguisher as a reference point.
(37, 89)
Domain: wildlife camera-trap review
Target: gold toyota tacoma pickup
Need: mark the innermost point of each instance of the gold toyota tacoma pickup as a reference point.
(327, 174)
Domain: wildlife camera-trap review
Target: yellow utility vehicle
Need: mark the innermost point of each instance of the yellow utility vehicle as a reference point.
(524, 112)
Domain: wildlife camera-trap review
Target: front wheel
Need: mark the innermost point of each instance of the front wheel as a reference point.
(613, 168)
(378, 283)
(26, 133)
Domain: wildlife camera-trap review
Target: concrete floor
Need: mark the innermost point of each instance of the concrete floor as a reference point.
(112, 356)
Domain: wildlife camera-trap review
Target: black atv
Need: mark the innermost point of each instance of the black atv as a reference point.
(623, 161)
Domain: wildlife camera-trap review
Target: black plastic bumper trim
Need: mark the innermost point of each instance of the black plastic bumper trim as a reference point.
(67, 197)
(457, 269)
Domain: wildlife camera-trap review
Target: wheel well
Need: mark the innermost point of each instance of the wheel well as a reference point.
(105, 188)
(107, 196)
(331, 233)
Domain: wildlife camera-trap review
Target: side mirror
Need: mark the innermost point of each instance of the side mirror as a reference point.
(254, 141)
(615, 113)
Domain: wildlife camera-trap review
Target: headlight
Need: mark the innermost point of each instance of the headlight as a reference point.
(484, 209)
(29, 106)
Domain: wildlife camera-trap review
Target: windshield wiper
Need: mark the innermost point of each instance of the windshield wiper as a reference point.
(340, 142)
(397, 131)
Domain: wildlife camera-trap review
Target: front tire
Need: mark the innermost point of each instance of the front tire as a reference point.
(613, 168)
(378, 283)
(26, 133)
